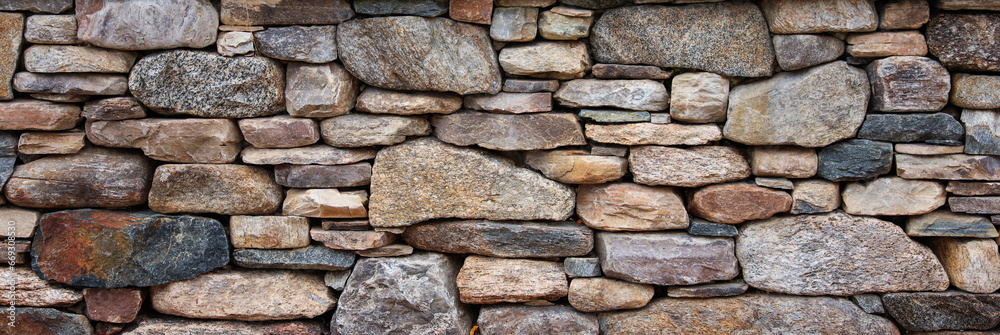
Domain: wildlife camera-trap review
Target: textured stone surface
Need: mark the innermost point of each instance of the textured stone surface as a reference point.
(47, 321)
(573, 166)
(759, 313)
(903, 14)
(887, 43)
(603, 294)
(94, 177)
(223, 294)
(973, 188)
(377, 100)
(975, 205)
(312, 44)
(965, 41)
(325, 203)
(708, 290)
(113, 249)
(835, 254)
(815, 196)
(621, 71)
(30, 290)
(546, 59)
(319, 90)
(698, 166)
(11, 29)
(975, 91)
(425, 179)
(783, 161)
(855, 159)
(391, 250)
(509, 132)
(952, 310)
(213, 188)
(804, 16)
(893, 196)
(314, 154)
(352, 239)
(794, 52)
(279, 132)
(553, 25)
(208, 85)
(269, 232)
(171, 140)
(949, 167)
(472, 11)
(514, 24)
(414, 294)
(673, 258)
(982, 135)
(439, 54)
(25, 114)
(116, 305)
(921, 149)
(502, 239)
(25, 221)
(644, 133)
(114, 109)
(323, 176)
(305, 258)
(66, 58)
(809, 108)
(530, 85)
(515, 103)
(908, 84)
(428, 8)
(147, 24)
(71, 83)
(677, 36)
(363, 130)
(174, 325)
(232, 43)
(520, 319)
(50, 143)
(37, 6)
(937, 128)
(737, 202)
(285, 12)
(577, 267)
(701, 227)
(972, 264)
(699, 97)
(487, 280)
(633, 207)
(615, 116)
(945, 223)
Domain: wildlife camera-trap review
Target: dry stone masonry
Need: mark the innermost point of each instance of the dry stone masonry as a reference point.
(356, 167)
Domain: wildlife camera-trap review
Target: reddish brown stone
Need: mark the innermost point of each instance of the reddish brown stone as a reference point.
(116, 305)
(738, 202)
(23, 114)
(280, 131)
(969, 188)
(94, 177)
(114, 109)
(627, 206)
(45, 321)
(515, 239)
(323, 176)
(473, 11)
(352, 239)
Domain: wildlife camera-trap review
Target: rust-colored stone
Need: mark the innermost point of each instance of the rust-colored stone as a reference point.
(116, 305)
(738, 202)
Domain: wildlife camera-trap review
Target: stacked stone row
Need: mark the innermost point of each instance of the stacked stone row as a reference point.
(501, 167)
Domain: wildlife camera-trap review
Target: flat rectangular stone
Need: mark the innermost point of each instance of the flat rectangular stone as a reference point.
(346, 225)
(708, 290)
(279, 131)
(325, 203)
(513, 103)
(967, 188)
(942, 223)
(884, 44)
(194, 140)
(51, 29)
(318, 154)
(620, 71)
(323, 176)
(659, 118)
(922, 149)
(772, 182)
(285, 12)
(472, 11)
(312, 257)
(633, 134)
(11, 28)
(701, 227)
(488, 280)
(601, 149)
(32, 143)
(530, 85)
(269, 232)
(674, 258)
(982, 131)
(392, 250)
(975, 205)
(948, 167)
(24, 114)
(37, 6)
(352, 239)
(903, 14)
(114, 109)
(967, 5)
(24, 221)
(72, 58)
(614, 116)
(71, 83)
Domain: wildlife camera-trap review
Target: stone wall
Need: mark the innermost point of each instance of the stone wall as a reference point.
(499, 167)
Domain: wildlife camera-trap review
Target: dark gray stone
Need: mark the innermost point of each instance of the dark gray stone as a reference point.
(937, 128)
(37, 6)
(427, 8)
(323, 176)
(870, 303)
(47, 321)
(705, 228)
(965, 42)
(313, 44)
(950, 310)
(208, 85)
(284, 12)
(8, 155)
(530, 85)
(96, 248)
(945, 223)
(795, 52)
(854, 159)
(696, 36)
(577, 267)
(519, 319)
(306, 258)
(596, 4)
(982, 132)
(502, 239)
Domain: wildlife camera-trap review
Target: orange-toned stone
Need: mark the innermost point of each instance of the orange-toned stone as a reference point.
(472, 11)
(738, 202)
(487, 280)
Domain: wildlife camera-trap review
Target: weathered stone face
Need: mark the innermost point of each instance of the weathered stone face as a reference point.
(512, 319)
(11, 29)
(94, 177)
(965, 41)
(61, 58)
(893, 196)
(509, 132)
(948, 167)
(804, 16)
(690, 36)
(930, 311)
(117, 305)
(698, 166)
(377, 100)
(285, 12)
(973, 264)
(364, 130)
(305, 258)
(603, 294)
(269, 232)
(502, 239)
(147, 24)
(48, 321)
(25, 114)
(30, 290)
(214, 188)
(795, 52)
(630, 207)
(673, 258)
(546, 59)
(737, 202)
(440, 54)
(908, 84)
(576, 166)
(319, 90)
(486, 280)
(313, 44)
(175, 325)
(171, 140)
(114, 249)
(314, 154)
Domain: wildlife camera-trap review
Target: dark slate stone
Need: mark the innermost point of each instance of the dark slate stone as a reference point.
(854, 159)
(37, 6)
(596, 4)
(96, 248)
(950, 310)
(47, 321)
(6, 169)
(699, 36)
(937, 128)
(8, 155)
(965, 42)
(306, 258)
(323, 176)
(502, 239)
(312, 44)
(208, 85)
(427, 8)
(870, 303)
(706, 228)
(582, 267)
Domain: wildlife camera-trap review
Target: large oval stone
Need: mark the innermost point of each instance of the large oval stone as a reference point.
(208, 85)
(94, 177)
(114, 249)
(147, 24)
(419, 54)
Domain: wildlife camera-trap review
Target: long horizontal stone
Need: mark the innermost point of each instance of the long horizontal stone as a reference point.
(633, 134)
(643, 95)
(630, 207)
(280, 131)
(30, 290)
(24, 114)
(93, 177)
(502, 239)
(147, 24)
(269, 232)
(60, 58)
(284, 12)
(803, 16)
(380, 101)
(509, 132)
(698, 166)
(487, 280)
(114, 109)
(323, 176)
(352, 239)
(214, 188)
(318, 154)
(948, 167)
(573, 166)
(669, 258)
(174, 325)
(948, 224)
(952, 310)
(893, 196)
(975, 205)
(71, 83)
(46, 143)
(325, 203)
(305, 258)
(171, 140)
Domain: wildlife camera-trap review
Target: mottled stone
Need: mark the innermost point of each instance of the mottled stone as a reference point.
(673, 258)
(357, 224)
(524, 3)
(379, 101)
(285, 12)
(487, 280)
(425, 179)
(982, 134)
(173, 325)
(908, 84)
(893, 196)
(975, 205)
(147, 24)
(973, 188)
(530, 85)
(573, 166)
(621, 71)
(553, 25)
(546, 59)
(701, 227)
(699, 97)
(973, 264)
(363, 130)
(391, 250)
(352, 239)
(887, 43)
(208, 85)
(325, 203)
(439, 54)
(949, 167)
(774, 182)
(804, 16)
(429, 8)
(305, 258)
(975, 91)
(514, 103)
(323, 176)
(319, 90)
(171, 140)
(24, 114)
(697, 166)
(937, 128)
(413, 294)
(794, 52)
(114, 109)
(870, 303)
(472, 11)
(25, 288)
(70, 58)
(582, 267)
(37, 6)
(756, 313)
(269, 232)
(835, 254)
(964, 41)
(631, 207)
(809, 108)
(783, 161)
(854, 159)
(318, 154)
(107, 249)
(25, 221)
(116, 305)
(232, 43)
(948, 224)
(312, 44)
(604, 294)
(690, 36)
(903, 14)
(615, 116)
(46, 321)
(521, 319)
(276, 295)
(737, 202)
(214, 188)
(952, 310)
(708, 290)
(11, 29)
(507, 132)
(281, 131)
(71, 83)
(337, 280)
(50, 143)
(815, 196)
(502, 239)
(634, 134)
(627, 94)
(93, 177)
(514, 24)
